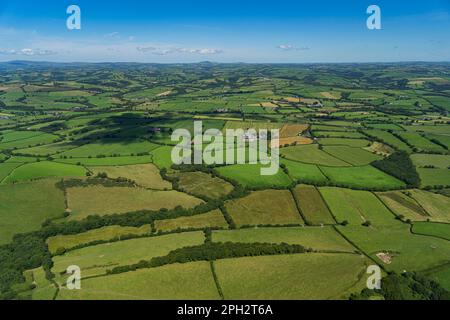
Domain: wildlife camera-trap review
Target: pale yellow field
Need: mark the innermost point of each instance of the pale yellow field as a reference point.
(331, 95)
(164, 94)
(296, 140)
(207, 220)
(103, 201)
(380, 148)
(292, 130)
(269, 105)
(145, 175)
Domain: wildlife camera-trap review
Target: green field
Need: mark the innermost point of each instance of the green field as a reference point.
(300, 276)
(440, 230)
(249, 175)
(108, 161)
(408, 252)
(317, 238)
(258, 208)
(213, 219)
(311, 205)
(99, 200)
(434, 177)
(25, 206)
(178, 282)
(436, 160)
(44, 169)
(145, 175)
(356, 207)
(87, 178)
(101, 234)
(203, 184)
(304, 172)
(110, 148)
(311, 154)
(420, 142)
(357, 143)
(389, 139)
(366, 177)
(352, 155)
(95, 260)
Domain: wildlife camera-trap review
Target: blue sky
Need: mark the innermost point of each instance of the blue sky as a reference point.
(225, 31)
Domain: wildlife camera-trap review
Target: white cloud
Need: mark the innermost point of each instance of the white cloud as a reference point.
(27, 52)
(113, 35)
(289, 47)
(170, 50)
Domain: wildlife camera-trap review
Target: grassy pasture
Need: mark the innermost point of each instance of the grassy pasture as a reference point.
(108, 161)
(267, 207)
(436, 160)
(299, 276)
(311, 154)
(105, 233)
(357, 143)
(356, 206)
(25, 206)
(110, 148)
(145, 175)
(420, 142)
(178, 282)
(44, 290)
(95, 260)
(249, 175)
(48, 149)
(443, 139)
(403, 205)
(312, 206)
(212, 219)
(85, 201)
(203, 184)
(354, 156)
(162, 157)
(44, 169)
(440, 230)
(304, 172)
(317, 238)
(408, 251)
(366, 177)
(434, 177)
(389, 139)
(6, 169)
(41, 138)
(338, 134)
(441, 275)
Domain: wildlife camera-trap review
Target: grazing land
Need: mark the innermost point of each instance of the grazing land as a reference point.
(85, 201)
(259, 208)
(87, 179)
